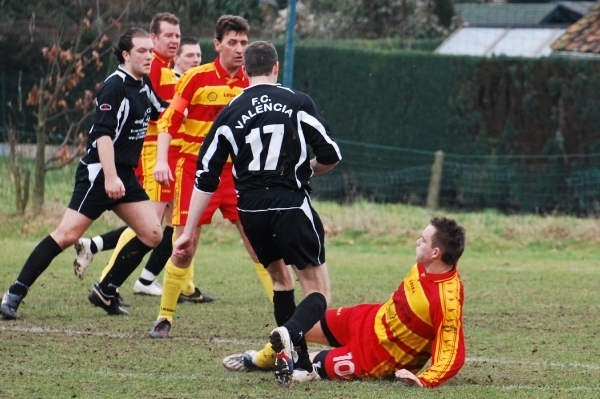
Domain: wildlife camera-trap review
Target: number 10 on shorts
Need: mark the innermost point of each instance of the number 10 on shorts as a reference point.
(342, 365)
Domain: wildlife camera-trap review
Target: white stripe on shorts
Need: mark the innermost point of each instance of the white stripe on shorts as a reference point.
(93, 171)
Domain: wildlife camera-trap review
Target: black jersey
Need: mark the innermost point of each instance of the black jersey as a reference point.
(266, 130)
(124, 105)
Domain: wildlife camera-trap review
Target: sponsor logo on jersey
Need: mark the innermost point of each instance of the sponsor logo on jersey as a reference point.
(212, 96)
(105, 107)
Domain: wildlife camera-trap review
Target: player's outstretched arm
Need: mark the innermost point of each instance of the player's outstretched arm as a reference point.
(185, 246)
(408, 378)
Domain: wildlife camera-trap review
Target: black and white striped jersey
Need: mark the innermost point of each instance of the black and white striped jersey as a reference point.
(124, 105)
(266, 130)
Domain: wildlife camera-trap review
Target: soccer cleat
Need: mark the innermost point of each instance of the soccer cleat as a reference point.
(10, 304)
(110, 303)
(153, 288)
(161, 329)
(122, 301)
(242, 362)
(84, 257)
(284, 360)
(301, 375)
(195, 297)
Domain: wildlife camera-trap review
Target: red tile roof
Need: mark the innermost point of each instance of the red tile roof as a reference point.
(583, 36)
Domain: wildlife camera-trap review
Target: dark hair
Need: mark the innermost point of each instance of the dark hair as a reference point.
(227, 23)
(259, 58)
(450, 237)
(125, 42)
(162, 17)
(186, 41)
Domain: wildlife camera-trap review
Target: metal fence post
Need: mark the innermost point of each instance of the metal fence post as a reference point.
(288, 60)
(433, 194)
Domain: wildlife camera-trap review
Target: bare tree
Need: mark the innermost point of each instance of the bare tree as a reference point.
(58, 101)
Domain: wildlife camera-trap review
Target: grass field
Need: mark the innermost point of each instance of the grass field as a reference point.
(531, 312)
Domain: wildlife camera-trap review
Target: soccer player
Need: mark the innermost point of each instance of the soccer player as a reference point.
(189, 56)
(266, 131)
(202, 91)
(105, 177)
(166, 35)
(421, 321)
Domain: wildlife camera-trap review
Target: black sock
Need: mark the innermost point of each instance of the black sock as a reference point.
(130, 256)
(161, 254)
(93, 247)
(303, 357)
(307, 314)
(110, 239)
(39, 260)
(284, 306)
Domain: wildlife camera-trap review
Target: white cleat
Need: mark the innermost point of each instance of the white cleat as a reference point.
(242, 362)
(300, 375)
(154, 289)
(285, 354)
(84, 257)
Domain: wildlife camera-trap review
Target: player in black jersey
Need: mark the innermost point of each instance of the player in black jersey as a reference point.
(105, 179)
(267, 131)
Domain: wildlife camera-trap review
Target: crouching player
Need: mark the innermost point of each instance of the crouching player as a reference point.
(421, 321)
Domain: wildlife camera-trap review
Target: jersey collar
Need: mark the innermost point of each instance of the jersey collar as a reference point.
(161, 58)
(437, 277)
(130, 76)
(222, 73)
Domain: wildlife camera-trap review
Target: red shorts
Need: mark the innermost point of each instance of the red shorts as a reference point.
(145, 172)
(360, 355)
(224, 198)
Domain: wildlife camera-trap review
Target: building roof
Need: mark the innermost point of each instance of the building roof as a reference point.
(512, 42)
(522, 15)
(583, 36)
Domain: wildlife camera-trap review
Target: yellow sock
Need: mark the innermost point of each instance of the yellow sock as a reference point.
(188, 287)
(127, 235)
(265, 358)
(265, 279)
(174, 279)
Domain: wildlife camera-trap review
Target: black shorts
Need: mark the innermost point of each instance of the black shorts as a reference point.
(282, 224)
(89, 195)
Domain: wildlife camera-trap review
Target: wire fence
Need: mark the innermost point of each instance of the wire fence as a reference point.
(556, 184)
(544, 184)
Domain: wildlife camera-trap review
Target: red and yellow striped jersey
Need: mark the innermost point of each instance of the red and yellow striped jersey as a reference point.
(423, 319)
(204, 91)
(163, 80)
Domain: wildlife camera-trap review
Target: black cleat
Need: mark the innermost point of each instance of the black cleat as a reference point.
(109, 303)
(122, 301)
(10, 304)
(195, 297)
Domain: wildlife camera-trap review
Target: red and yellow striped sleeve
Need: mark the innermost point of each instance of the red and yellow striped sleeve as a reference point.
(163, 80)
(423, 320)
(448, 347)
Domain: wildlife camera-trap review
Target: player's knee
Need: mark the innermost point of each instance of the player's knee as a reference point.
(152, 237)
(65, 239)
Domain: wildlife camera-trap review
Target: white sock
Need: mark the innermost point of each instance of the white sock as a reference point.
(99, 243)
(146, 275)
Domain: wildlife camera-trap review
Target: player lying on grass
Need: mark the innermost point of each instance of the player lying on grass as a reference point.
(422, 320)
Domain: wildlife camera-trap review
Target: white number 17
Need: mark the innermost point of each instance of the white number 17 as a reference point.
(256, 145)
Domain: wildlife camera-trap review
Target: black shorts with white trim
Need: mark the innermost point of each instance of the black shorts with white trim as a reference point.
(281, 223)
(89, 195)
